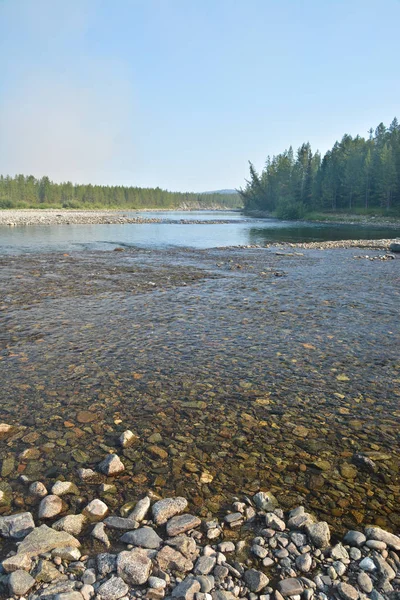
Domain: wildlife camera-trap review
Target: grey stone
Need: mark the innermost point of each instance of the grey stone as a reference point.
(259, 551)
(367, 564)
(44, 539)
(67, 596)
(304, 562)
(145, 537)
(157, 583)
(20, 582)
(365, 583)
(98, 533)
(274, 522)
(339, 552)
(207, 583)
(265, 501)
(319, 534)
(172, 560)
(376, 545)
(96, 510)
(226, 547)
(394, 247)
(16, 563)
(383, 567)
(134, 567)
(376, 533)
(184, 544)
(299, 519)
(17, 526)
(68, 553)
(220, 573)
(355, 553)
(347, 591)
(60, 488)
(255, 580)
(87, 591)
(222, 595)
(111, 465)
(120, 523)
(141, 509)
(167, 508)
(46, 572)
(204, 565)
(37, 488)
(59, 587)
(186, 589)
(113, 589)
(106, 563)
(233, 517)
(72, 524)
(340, 568)
(50, 506)
(89, 577)
(290, 587)
(354, 538)
(182, 523)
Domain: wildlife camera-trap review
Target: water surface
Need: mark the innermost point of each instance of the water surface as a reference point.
(234, 230)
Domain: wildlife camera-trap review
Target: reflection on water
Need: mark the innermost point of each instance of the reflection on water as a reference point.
(238, 231)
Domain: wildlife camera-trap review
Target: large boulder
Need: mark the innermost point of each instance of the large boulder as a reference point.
(44, 539)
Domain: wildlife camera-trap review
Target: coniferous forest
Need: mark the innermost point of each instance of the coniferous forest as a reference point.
(28, 192)
(357, 175)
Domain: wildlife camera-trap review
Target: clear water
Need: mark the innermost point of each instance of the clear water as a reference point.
(233, 230)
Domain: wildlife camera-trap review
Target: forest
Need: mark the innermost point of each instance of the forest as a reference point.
(28, 192)
(357, 175)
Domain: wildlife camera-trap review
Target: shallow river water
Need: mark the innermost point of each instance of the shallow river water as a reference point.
(237, 369)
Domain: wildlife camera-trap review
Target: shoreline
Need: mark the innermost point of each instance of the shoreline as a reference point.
(36, 216)
(336, 219)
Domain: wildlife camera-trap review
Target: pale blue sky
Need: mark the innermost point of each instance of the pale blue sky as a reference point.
(182, 93)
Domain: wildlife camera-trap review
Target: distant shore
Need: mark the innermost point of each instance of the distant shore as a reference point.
(62, 216)
(337, 219)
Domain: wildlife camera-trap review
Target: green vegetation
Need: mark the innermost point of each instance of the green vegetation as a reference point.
(27, 192)
(357, 176)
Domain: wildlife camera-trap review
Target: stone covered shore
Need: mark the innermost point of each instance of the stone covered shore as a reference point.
(68, 217)
(154, 549)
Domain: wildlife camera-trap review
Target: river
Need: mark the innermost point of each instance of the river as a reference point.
(209, 229)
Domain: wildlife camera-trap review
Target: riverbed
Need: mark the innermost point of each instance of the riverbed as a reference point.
(266, 368)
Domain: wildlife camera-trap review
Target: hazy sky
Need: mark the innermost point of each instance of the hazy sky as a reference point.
(182, 93)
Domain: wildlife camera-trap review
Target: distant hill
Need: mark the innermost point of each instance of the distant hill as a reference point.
(222, 192)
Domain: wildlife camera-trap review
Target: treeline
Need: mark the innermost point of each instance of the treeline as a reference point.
(28, 192)
(356, 175)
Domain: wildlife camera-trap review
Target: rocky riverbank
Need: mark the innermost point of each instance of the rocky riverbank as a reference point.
(73, 549)
(14, 218)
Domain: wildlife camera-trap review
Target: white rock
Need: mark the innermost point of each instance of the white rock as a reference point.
(64, 487)
(141, 509)
(50, 506)
(127, 438)
(111, 465)
(96, 510)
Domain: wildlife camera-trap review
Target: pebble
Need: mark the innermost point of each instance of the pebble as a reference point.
(127, 438)
(354, 538)
(365, 583)
(376, 533)
(60, 488)
(98, 533)
(319, 534)
(72, 524)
